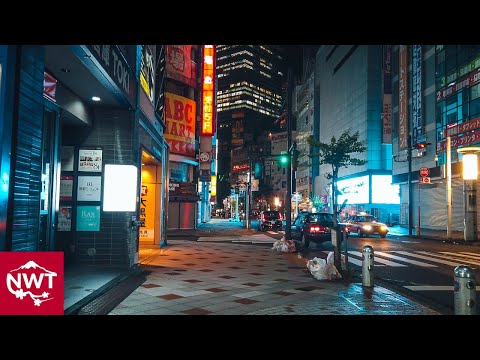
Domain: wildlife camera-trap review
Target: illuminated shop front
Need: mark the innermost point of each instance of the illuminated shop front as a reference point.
(372, 193)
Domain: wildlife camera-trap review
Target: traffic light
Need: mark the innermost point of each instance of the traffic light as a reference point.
(284, 159)
(421, 145)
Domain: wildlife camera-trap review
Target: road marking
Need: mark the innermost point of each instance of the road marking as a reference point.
(475, 255)
(461, 261)
(381, 261)
(351, 259)
(427, 258)
(414, 262)
(471, 257)
(410, 242)
(433, 288)
(272, 232)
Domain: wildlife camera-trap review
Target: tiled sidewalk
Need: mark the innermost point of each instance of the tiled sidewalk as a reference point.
(191, 278)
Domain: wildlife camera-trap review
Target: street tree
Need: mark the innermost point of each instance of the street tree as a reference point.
(338, 154)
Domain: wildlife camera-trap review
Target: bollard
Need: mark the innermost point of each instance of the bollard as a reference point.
(367, 266)
(464, 291)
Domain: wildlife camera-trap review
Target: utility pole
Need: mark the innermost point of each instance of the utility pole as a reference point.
(288, 205)
(410, 190)
(248, 195)
(449, 187)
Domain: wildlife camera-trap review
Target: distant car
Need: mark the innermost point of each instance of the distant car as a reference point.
(365, 225)
(271, 220)
(314, 227)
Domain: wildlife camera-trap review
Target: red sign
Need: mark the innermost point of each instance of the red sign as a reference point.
(179, 64)
(31, 283)
(424, 180)
(424, 172)
(180, 124)
(467, 139)
(461, 128)
(49, 86)
(208, 91)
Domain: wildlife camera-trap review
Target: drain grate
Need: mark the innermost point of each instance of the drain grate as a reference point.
(105, 303)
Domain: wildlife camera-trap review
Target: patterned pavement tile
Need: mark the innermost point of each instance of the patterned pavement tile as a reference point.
(197, 311)
(149, 286)
(170, 296)
(246, 301)
(215, 290)
(249, 294)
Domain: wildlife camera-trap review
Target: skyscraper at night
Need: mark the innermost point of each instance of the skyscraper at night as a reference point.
(249, 101)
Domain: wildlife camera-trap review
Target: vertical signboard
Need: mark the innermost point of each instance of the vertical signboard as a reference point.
(402, 99)
(147, 72)
(417, 119)
(147, 212)
(208, 91)
(387, 95)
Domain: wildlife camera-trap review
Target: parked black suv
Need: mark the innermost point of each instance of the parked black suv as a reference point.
(270, 220)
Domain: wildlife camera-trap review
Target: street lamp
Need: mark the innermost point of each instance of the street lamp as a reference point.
(470, 176)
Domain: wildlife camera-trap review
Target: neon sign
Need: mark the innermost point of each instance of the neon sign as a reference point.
(208, 91)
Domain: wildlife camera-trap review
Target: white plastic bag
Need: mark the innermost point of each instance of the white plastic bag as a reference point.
(323, 270)
(283, 245)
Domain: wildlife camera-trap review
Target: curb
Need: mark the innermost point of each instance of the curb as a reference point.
(75, 308)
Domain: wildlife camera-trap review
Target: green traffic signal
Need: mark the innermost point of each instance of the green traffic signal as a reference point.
(284, 159)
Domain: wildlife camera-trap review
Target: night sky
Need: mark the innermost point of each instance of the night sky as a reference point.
(294, 55)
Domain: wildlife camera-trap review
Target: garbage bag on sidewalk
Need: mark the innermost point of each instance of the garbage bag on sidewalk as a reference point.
(283, 245)
(323, 270)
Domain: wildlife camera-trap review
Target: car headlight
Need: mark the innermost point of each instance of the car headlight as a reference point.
(367, 227)
(383, 228)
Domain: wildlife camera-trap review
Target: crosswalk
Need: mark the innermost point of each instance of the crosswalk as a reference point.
(426, 259)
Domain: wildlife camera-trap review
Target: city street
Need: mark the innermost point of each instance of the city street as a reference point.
(419, 268)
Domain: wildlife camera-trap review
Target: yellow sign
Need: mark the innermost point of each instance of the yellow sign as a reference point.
(213, 185)
(147, 212)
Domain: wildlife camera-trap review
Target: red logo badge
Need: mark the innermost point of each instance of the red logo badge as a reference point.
(31, 283)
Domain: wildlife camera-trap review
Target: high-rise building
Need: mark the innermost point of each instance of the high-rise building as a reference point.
(351, 98)
(249, 101)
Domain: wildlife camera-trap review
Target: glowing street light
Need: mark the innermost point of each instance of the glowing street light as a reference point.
(470, 176)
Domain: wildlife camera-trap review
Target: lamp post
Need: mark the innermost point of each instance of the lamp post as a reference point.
(470, 176)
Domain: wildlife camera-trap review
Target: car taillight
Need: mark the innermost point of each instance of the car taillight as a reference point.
(316, 228)
(263, 217)
(280, 216)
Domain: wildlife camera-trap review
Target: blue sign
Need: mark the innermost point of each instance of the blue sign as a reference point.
(88, 218)
(417, 93)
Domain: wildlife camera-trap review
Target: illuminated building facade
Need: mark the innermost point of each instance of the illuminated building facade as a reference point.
(249, 99)
(436, 93)
(351, 89)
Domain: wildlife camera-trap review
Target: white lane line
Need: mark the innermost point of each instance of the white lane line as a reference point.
(429, 258)
(432, 288)
(450, 258)
(381, 261)
(410, 242)
(351, 259)
(394, 257)
(475, 255)
(272, 232)
(460, 255)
